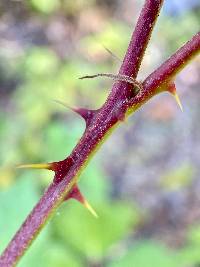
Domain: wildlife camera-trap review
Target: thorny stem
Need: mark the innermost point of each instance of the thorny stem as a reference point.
(100, 124)
(167, 71)
(140, 38)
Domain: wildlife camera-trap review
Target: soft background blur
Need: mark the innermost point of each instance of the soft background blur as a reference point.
(145, 181)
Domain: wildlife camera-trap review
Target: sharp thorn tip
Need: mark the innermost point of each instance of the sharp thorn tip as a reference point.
(35, 166)
(76, 194)
(89, 208)
(178, 101)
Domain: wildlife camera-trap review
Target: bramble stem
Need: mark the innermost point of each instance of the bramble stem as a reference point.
(140, 38)
(91, 139)
(168, 70)
(102, 122)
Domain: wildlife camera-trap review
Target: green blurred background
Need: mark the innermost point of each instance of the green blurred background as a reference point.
(144, 182)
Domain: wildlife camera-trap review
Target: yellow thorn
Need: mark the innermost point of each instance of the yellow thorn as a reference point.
(35, 166)
(89, 207)
(177, 99)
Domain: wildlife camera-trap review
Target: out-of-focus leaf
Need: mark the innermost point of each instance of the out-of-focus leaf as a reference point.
(189, 255)
(15, 204)
(6, 177)
(73, 7)
(146, 254)
(90, 236)
(46, 6)
(110, 37)
(39, 61)
(180, 177)
(94, 184)
(60, 139)
(194, 235)
(183, 29)
(59, 256)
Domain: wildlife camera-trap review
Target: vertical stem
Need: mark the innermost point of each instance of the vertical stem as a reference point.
(140, 38)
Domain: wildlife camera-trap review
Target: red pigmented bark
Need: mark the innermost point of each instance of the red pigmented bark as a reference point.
(120, 102)
(167, 71)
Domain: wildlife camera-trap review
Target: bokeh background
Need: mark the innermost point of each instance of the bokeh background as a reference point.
(145, 181)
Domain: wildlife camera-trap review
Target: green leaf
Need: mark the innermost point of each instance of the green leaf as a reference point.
(90, 236)
(15, 204)
(146, 254)
(179, 177)
(60, 139)
(40, 61)
(94, 184)
(45, 6)
(60, 256)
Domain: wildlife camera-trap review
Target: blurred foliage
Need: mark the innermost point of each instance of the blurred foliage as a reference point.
(147, 254)
(45, 6)
(184, 26)
(180, 177)
(33, 128)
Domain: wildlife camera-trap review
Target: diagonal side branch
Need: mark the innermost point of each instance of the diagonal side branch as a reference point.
(158, 80)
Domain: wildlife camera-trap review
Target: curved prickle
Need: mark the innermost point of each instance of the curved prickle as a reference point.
(171, 88)
(86, 114)
(76, 194)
